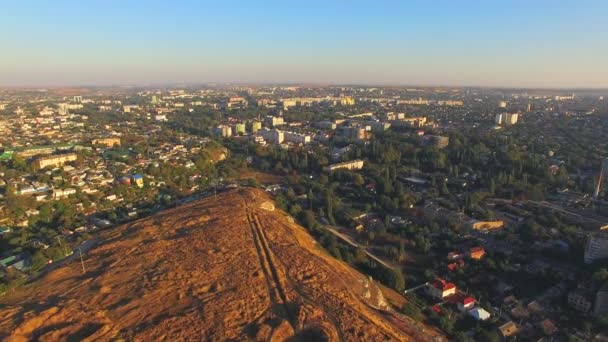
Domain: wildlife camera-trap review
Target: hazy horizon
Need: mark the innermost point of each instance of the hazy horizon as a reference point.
(444, 43)
(33, 87)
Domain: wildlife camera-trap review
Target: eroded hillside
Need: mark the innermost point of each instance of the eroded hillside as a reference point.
(229, 267)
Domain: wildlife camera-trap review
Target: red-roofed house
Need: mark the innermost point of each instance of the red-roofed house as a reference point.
(441, 288)
(477, 253)
(466, 303)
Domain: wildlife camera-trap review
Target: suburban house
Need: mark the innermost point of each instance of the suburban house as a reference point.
(508, 329)
(479, 314)
(466, 304)
(477, 253)
(580, 299)
(441, 288)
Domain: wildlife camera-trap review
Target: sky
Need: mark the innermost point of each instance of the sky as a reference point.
(506, 43)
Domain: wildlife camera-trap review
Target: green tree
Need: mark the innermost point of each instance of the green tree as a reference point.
(309, 218)
(413, 311)
(600, 275)
(310, 198)
(393, 278)
(358, 179)
(489, 335)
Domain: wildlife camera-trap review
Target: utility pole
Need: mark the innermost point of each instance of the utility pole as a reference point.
(65, 249)
(81, 261)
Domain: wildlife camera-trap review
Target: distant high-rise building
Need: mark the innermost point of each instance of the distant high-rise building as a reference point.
(273, 121)
(347, 101)
(511, 118)
(564, 97)
(54, 160)
(325, 124)
(529, 108)
(255, 126)
(419, 101)
(498, 119)
(154, 99)
(502, 104)
(596, 247)
(297, 138)
(601, 301)
(272, 135)
(354, 132)
(63, 109)
(107, 142)
(506, 118)
(239, 128)
(78, 99)
(161, 117)
(224, 131)
(129, 108)
(603, 104)
(603, 177)
(580, 299)
(453, 103)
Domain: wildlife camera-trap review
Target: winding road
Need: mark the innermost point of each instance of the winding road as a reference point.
(349, 241)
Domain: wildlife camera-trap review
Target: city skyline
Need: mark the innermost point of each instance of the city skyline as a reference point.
(519, 44)
(403, 170)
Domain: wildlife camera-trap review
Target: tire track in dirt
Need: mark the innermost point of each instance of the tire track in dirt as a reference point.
(273, 281)
(253, 216)
(330, 312)
(270, 258)
(273, 272)
(304, 295)
(263, 265)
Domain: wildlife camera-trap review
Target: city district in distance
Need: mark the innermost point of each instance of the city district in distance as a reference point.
(485, 208)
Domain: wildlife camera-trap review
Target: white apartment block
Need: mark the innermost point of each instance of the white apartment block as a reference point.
(596, 248)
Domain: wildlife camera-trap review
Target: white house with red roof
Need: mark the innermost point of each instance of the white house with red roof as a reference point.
(441, 288)
(466, 303)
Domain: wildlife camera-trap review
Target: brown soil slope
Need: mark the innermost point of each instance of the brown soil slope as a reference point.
(224, 268)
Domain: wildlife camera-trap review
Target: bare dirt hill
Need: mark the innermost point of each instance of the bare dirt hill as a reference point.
(230, 267)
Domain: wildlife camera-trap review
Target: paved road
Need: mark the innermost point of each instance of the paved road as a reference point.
(577, 213)
(415, 288)
(349, 241)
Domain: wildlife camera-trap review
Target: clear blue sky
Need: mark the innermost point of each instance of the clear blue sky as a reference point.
(537, 43)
